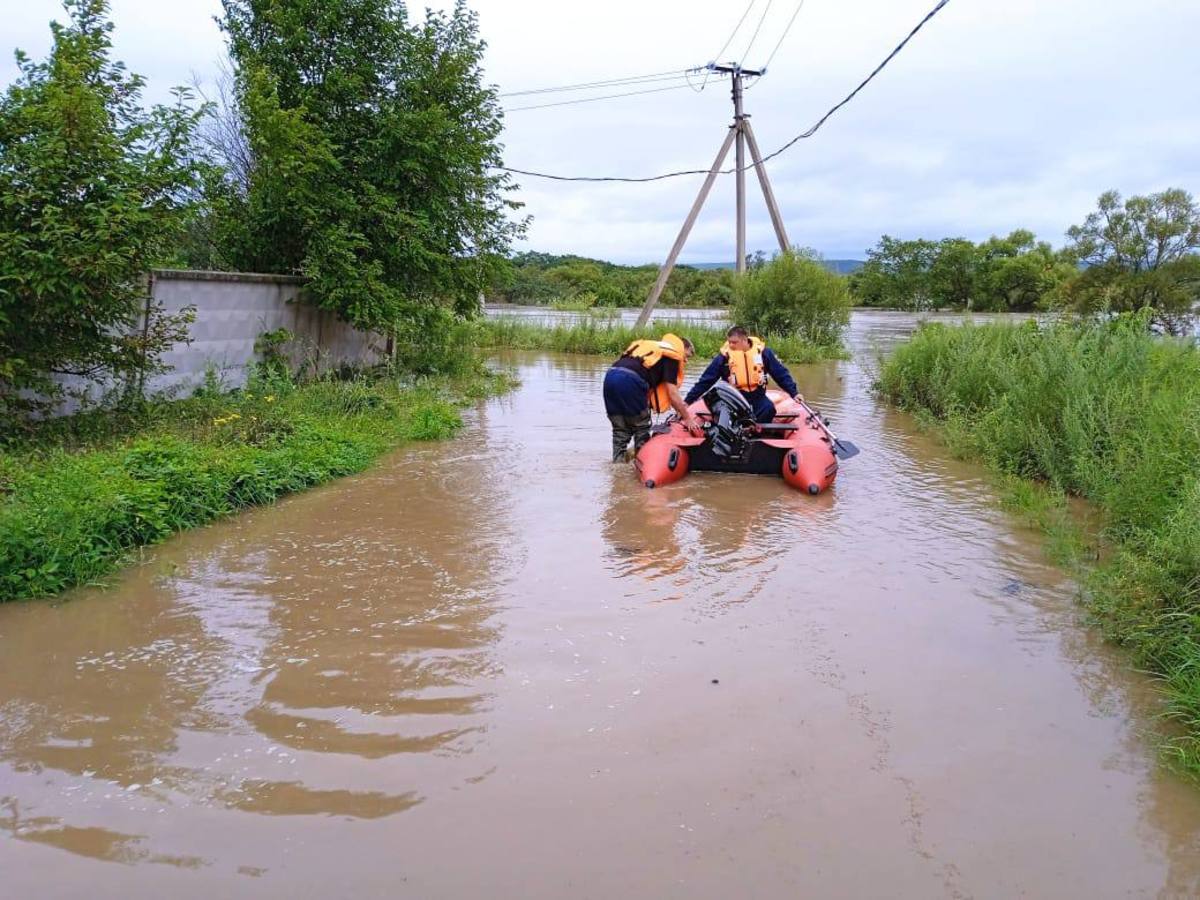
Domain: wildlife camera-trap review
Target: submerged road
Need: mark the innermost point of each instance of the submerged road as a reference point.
(499, 667)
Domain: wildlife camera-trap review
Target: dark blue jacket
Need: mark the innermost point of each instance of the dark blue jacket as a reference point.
(718, 370)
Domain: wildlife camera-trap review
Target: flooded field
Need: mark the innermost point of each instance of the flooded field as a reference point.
(499, 667)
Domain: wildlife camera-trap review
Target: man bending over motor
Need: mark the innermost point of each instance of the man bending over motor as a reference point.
(745, 362)
(647, 375)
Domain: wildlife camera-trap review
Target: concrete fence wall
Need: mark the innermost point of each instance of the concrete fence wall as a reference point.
(232, 309)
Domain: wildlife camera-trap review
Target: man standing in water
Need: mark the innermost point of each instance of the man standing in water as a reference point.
(647, 376)
(745, 362)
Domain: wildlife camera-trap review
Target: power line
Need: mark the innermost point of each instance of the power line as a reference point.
(736, 29)
(638, 79)
(754, 37)
(802, 136)
(589, 84)
(879, 68)
(779, 43)
(600, 85)
(674, 87)
(725, 46)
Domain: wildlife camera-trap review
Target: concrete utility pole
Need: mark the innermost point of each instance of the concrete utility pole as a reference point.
(741, 132)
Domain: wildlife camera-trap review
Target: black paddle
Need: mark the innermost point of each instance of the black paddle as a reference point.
(844, 449)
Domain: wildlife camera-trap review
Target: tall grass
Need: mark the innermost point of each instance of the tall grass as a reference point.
(1106, 412)
(77, 499)
(604, 338)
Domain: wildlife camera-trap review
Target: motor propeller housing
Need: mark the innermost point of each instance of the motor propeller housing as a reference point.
(732, 421)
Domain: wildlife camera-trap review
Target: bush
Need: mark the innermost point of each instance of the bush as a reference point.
(794, 294)
(91, 193)
(433, 341)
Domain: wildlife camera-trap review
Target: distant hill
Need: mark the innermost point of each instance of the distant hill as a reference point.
(841, 266)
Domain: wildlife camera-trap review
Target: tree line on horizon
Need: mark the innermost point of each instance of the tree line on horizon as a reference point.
(1139, 253)
(1127, 255)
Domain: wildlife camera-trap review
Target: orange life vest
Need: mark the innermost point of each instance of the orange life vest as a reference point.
(650, 353)
(746, 372)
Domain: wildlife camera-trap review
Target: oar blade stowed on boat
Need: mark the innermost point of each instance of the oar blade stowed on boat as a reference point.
(797, 445)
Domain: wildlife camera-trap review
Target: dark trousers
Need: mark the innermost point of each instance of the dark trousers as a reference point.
(626, 427)
(764, 409)
(625, 402)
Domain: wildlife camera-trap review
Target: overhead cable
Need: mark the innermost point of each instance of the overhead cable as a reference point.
(879, 68)
(736, 29)
(591, 84)
(754, 37)
(779, 43)
(674, 87)
(802, 136)
(729, 40)
(601, 85)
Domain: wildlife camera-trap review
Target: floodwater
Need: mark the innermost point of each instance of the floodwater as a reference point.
(499, 667)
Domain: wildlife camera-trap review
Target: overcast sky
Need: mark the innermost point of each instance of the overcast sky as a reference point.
(999, 114)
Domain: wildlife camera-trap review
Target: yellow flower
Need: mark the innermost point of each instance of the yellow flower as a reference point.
(270, 398)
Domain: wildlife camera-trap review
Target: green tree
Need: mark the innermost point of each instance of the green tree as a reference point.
(953, 272)
(1140, 253)
(794, 294)
(1019, 273)
(896, 274)
(373, 143)
(92, 187)
(1141, 234)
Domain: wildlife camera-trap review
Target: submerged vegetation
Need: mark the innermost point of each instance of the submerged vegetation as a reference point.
(793, 301)
(1127, 255)
(1107, 412)
(599, 337)
(79, 494)
(576, 282)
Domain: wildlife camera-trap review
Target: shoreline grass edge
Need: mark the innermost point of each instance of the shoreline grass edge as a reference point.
(606, 337)
(1105, 412)
(76, 505)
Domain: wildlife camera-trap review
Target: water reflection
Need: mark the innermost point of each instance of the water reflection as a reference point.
(639, 527)
(465, 653)
(227, 673)
(93, 842)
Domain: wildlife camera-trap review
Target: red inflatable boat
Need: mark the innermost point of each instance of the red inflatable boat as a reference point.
(797, 445)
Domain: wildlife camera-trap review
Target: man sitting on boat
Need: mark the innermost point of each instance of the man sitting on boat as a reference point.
(745, 362)
(647, 376)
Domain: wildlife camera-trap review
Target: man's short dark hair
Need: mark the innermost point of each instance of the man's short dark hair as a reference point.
(688, 345)
(737, 331)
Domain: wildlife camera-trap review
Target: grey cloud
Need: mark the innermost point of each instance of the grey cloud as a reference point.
(997, 116)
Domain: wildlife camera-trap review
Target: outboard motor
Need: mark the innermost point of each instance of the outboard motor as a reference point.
(732, 421)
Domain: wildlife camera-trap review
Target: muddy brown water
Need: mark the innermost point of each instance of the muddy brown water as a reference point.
(499, 667)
